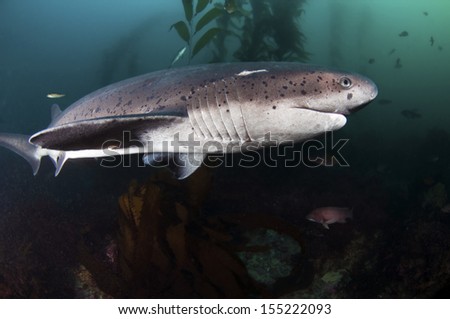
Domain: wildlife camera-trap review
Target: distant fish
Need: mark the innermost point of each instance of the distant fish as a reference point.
(391, 52)
(398, 64)
(433, 158)
(425, 13)
(230, 6)
(428, 181)
(446, 208)
(330, 215)
(431, 40)
(55, 95)
(403, 34)
(411, 114)
(371, 61)
(179, 55)
(440, 48)
(384, 101)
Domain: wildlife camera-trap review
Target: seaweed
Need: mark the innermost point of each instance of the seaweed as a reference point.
(168, 247)
(196, 20)
(272, 32)
(269, 31)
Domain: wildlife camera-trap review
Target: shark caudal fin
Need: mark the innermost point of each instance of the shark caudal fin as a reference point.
(19, 144)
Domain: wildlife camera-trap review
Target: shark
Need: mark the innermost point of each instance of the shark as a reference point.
(189, 112)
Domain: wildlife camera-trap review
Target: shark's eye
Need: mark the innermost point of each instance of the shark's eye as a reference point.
(345, 82)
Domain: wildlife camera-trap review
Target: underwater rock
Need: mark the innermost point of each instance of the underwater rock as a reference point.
(85, 285)
(275, 260)
(333, 277)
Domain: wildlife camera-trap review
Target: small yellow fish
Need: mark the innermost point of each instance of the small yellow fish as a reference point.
(55, 95)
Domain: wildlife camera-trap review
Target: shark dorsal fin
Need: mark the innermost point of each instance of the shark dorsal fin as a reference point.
(55, 111)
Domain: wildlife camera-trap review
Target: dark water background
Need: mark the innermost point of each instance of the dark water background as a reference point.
(397, 163)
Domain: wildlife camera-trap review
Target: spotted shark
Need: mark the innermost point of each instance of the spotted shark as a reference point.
(190, 112)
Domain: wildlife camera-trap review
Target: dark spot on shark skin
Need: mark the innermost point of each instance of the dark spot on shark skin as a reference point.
(129, 102)
(274, 107)
(183, 98)
(285, 87)
(349, 96)
(303, 92)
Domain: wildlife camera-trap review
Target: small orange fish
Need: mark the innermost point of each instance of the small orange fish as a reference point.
(330, 215)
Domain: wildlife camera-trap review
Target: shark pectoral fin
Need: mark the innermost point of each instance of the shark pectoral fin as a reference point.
(325, 225)
(182, 165)
(58, 158)
(185, 164)
(19, 144)
(156, 159)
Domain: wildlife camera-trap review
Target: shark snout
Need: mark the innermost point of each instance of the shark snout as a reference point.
(374, 92)
(369, 93)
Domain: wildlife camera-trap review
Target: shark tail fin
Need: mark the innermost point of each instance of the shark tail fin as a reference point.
(19, 144)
